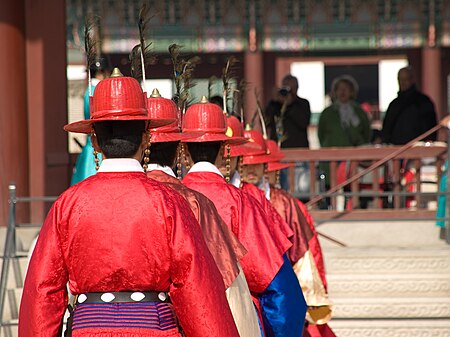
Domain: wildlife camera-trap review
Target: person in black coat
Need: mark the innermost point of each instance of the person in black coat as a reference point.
(287, 119)
(288, 116)
(410, 114)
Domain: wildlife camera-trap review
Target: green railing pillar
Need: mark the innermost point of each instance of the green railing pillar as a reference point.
(446, 229)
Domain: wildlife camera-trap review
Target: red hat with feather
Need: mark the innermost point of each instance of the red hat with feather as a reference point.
(208, 119)
(117, 98)
(160, 107)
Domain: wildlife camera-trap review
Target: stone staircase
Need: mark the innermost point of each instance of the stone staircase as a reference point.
(392, 279)
(16, 276)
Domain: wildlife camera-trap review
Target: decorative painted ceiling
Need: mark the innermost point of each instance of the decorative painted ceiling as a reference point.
(268, 25)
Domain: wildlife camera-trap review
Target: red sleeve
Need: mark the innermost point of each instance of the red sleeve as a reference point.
(280, 226)
(44, 298)
(265, 254)
(287, 207)
(197, 290)
(222, 243)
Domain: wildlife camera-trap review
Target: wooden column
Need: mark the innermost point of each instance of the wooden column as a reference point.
(254, 76)
(431, 78)
(47, 100)
(13, 98)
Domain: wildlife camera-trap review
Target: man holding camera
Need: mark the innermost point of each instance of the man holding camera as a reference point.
(287, 116)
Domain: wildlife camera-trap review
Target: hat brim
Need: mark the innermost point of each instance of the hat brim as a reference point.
(85, 126)
(245, 149)
(216, 137)
(165, 137)
(261, 159)
(276, 166)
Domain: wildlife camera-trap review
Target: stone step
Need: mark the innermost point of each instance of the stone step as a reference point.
(11, 313)
(387, 261)
(10, 329)
(392, 285)
(393, 233)
(24, 238)
(16, 273)
(391, 328)
(393, 307)
(12, 303)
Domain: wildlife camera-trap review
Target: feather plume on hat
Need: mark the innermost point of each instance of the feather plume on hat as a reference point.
(141, 55)
(228, 74)
(182, 76)
(261, 115)
(242, 89)
(91, 44)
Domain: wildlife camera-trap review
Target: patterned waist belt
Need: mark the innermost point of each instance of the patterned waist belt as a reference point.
(129, 315)
(122, 297)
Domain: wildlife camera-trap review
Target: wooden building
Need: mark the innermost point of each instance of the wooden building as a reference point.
(40, 38)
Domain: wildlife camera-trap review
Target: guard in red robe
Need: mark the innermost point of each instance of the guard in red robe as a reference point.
(289, 206)
(129, 247)
(297, 231)
(252, 172)
(222, 243)
(269, 277)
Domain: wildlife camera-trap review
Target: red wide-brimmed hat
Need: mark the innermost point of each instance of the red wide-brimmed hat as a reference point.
(274, 150)
(264, 155)
(117, 98)
(235, 128)
(160, 107)
(208, 119)
(278, 165)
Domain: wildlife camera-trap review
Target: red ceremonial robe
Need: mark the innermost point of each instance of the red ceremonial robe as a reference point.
(298, 232)
(294, 211)
(322, 330)
(222, 243)
(225, 248)
(288, 209)
(247, 220)
(120, 231)
(314, 244)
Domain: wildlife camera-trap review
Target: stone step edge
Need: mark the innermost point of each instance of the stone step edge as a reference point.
(443, 250)
(389, 322)
(444, 276)
(391, 308)
(390, 328)
(378, 300)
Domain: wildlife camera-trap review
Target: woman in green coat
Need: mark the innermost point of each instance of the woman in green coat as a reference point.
(344, 123)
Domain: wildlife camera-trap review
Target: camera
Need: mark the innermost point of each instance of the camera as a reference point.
(284, 91)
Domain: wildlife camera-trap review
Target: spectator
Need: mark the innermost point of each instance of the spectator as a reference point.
(344, 122)
(288, 115)
(410, 114)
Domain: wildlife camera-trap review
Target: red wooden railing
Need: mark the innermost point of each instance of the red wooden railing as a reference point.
(390, 171)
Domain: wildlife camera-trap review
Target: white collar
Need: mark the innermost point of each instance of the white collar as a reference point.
(263, 184)
(120, 165)
(204, 166)
(265, 187)
(95, 81)
(157, 167)
(236, 179)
